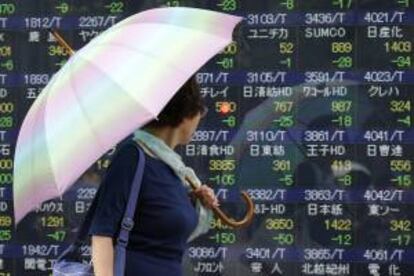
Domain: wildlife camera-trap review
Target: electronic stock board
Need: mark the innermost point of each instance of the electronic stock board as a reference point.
(310, 112)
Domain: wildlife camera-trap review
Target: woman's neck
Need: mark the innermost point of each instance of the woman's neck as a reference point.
(169, 135)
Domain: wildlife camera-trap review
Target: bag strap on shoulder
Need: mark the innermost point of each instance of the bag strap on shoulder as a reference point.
(128, 220)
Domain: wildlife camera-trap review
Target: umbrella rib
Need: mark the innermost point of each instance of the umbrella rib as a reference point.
(148, 54)
(73, 85)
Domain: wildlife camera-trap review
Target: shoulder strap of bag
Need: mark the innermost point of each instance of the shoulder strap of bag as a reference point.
(128, 220)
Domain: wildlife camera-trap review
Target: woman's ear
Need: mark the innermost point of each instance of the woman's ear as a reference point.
(187, 128)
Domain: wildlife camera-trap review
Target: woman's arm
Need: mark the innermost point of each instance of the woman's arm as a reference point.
(102, 255)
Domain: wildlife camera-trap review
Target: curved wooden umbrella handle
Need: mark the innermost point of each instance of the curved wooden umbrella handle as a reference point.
(248, 218)
(230, 221)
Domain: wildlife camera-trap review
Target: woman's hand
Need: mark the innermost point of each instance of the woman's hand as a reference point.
(206, 195)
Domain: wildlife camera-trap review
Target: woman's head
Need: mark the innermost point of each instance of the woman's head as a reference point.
(182, 112)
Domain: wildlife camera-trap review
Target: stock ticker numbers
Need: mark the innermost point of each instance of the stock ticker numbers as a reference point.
(310, 112)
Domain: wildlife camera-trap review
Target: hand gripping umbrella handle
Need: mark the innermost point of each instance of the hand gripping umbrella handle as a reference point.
(230, 221)
(224, 218)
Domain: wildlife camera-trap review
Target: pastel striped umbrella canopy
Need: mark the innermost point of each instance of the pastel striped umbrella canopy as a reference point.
(109, 88)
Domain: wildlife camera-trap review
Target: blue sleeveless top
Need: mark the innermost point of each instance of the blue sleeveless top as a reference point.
(164, 216)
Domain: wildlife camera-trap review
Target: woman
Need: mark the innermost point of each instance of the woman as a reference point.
(165, 217)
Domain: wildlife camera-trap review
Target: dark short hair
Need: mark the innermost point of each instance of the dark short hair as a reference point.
(186, 103)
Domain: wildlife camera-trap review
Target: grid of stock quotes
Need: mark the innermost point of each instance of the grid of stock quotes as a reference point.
(310, 112)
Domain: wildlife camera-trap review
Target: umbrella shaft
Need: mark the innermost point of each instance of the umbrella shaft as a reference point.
(62, 42)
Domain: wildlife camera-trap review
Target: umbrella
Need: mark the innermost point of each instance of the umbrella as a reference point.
(116, 83)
